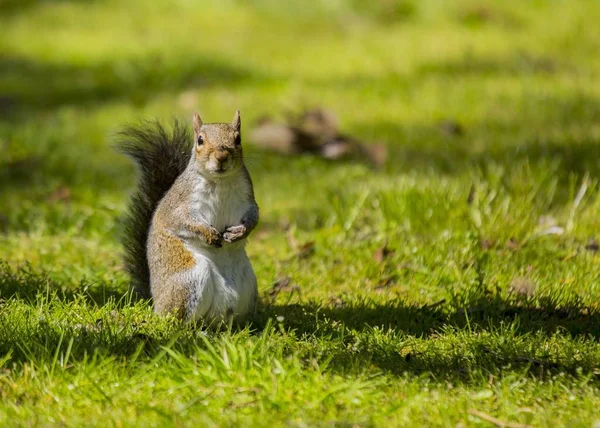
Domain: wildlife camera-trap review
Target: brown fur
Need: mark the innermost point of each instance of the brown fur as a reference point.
(176, 258)
(173, 301)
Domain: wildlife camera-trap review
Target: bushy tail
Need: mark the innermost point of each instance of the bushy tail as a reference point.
(161, 157)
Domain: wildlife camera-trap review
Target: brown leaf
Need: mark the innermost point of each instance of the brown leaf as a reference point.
(315, 131)
(283, 283)
(306, 250)
(377, 154)
(318, 122)
(302, 250)
(336, 302)
(62, 194)
(522, 286)
(486, 244)
(451, 128)
(592, 245)
(274, 136)
(386, 282)
(512, 244)
(383, 253)
(471, 195)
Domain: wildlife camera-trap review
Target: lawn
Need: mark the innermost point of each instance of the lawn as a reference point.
(457, 285)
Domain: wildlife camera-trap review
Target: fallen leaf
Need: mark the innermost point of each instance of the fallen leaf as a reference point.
(385, 282)
(377, 154)
(512, 244)
(319, 122)
(337, 302)
(62, 194)
(315, 131)
(471, 195)
(306, 250)
(486, 244)
(451, 128)
(383, 253)
(283, 283)
(592, 245)
(522, 286)
(274, 136)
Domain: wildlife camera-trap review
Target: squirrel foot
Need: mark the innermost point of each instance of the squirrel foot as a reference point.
(235, 233)
(213, 237)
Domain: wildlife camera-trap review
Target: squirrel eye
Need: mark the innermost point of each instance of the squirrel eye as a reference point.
(200, 140)
(238, 139)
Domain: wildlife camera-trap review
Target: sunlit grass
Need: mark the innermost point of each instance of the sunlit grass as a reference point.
(458, 282)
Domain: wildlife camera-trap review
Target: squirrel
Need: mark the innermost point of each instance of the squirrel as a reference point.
(187, 223)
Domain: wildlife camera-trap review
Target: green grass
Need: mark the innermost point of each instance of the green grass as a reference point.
(475, 307)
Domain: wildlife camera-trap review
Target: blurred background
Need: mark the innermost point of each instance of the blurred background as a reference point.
(500, 93)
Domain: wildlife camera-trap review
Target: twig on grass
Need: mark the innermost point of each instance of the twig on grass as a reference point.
(576, 202)
(496, 421)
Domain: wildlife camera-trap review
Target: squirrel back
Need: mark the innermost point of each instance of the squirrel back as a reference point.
(161, 157)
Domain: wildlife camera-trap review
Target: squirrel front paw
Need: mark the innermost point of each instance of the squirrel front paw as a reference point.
(235, 233)
(214, 237)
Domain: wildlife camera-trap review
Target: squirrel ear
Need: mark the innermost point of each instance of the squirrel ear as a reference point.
(237, 121)
(197, 123)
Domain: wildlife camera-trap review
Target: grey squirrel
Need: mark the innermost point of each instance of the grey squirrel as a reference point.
(187, 224)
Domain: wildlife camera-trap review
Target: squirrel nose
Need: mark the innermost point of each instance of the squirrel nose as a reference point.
(221, 155)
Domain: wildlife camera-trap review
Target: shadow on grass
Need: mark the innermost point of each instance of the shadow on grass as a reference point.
(12, 7)
(17, 174)
(555, 131)
(539, 315)
(490, 335)
(27, 85)
(541, 319)
(516, 63)
(26, 284)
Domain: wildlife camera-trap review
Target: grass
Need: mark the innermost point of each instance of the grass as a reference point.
(455, 285)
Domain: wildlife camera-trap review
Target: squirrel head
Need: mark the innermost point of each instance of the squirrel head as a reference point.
(218, 147)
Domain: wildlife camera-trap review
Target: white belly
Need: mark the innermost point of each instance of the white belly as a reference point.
(223, 277)
(224, 281)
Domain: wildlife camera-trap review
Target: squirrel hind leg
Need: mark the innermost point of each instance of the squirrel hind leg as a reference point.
(186, 295)
(172, 298)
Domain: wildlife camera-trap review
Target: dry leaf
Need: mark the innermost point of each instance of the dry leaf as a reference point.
(592, 245)
(62, 194)
(471, 195)
(512, 244)
(336, 302)
(451, 128)
(382, 253)
(306, 250)
(283, 283)
(319, 122)
(486, 244)
(386, 282)
(315, 131)
(274, 136)
(522, 286)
